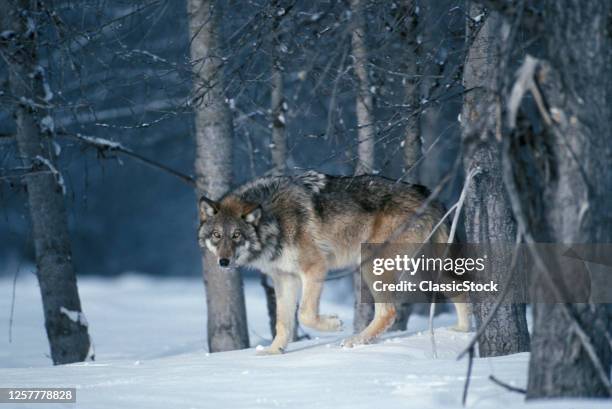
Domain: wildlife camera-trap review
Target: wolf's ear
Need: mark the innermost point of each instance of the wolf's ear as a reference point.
(208, 208)
(253, 215)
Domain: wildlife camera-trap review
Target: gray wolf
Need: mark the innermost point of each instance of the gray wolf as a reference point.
(297, 228)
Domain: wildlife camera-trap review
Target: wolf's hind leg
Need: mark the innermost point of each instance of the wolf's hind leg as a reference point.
(384, 316)
(463, 309)
(286, 287)
(312, 286)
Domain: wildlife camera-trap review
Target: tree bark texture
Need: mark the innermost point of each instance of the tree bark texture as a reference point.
(278, 107)
(68, 338)
(408, 27)
(363, 104)
(227, 324)
(412, 140)
(364, 304)
(488, 212)
(575, 200)
(559, 182)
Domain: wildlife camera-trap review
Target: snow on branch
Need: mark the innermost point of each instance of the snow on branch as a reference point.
(107, 145)
(56, 173)
(154, 57)
(40, 72)
(100, 143)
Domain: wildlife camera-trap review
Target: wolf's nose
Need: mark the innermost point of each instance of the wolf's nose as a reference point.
(223, 262)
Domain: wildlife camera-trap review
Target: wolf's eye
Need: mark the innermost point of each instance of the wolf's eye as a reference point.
(236, 235)
(216, 235)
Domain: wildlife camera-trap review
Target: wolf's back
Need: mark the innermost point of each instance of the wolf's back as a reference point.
(369, 194)
(312, 181)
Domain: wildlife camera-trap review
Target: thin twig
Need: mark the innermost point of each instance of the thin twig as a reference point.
(432, 334)
(440, 222)
(156, 165)
(468, 179)
(506, 386)
(116, 147)
(12, 314)
(468, 377)
(451, 237)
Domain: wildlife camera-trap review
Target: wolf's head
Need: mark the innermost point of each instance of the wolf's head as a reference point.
(228, 229)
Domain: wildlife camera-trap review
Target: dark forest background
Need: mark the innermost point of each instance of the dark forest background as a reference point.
(121, 72)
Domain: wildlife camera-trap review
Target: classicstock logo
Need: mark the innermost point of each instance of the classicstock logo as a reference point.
(429, 272)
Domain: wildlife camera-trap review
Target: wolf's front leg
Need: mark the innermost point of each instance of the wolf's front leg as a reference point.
(286, 287)
(312, 286)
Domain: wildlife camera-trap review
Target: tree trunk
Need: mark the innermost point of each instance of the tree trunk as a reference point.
(409, 31)
(278, 148)
(488, 214)
(363, 103)
(577, 201)
(364, 304)
(64, 321)
(227, 324)
(279, 139)
(432, 70)
(560, 181)
(412, 140)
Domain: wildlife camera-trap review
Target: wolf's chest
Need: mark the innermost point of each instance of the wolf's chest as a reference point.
(287, 261)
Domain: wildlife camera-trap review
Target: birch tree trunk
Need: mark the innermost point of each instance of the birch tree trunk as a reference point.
(68, 338)
(279, 139)
(364, 304)
(363, 103)
(227, 324)
(488, 214)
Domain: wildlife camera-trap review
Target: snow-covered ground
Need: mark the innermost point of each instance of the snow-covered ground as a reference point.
(150, 353)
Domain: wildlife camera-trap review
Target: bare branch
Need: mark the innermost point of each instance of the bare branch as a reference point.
(468, 377)
(524, 83)
(105, 145)
(505, 385)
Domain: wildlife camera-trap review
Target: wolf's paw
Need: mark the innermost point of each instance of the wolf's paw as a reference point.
(325, 323)
(461, 328)
(354, 341)
(271, 350)
(330, 323)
